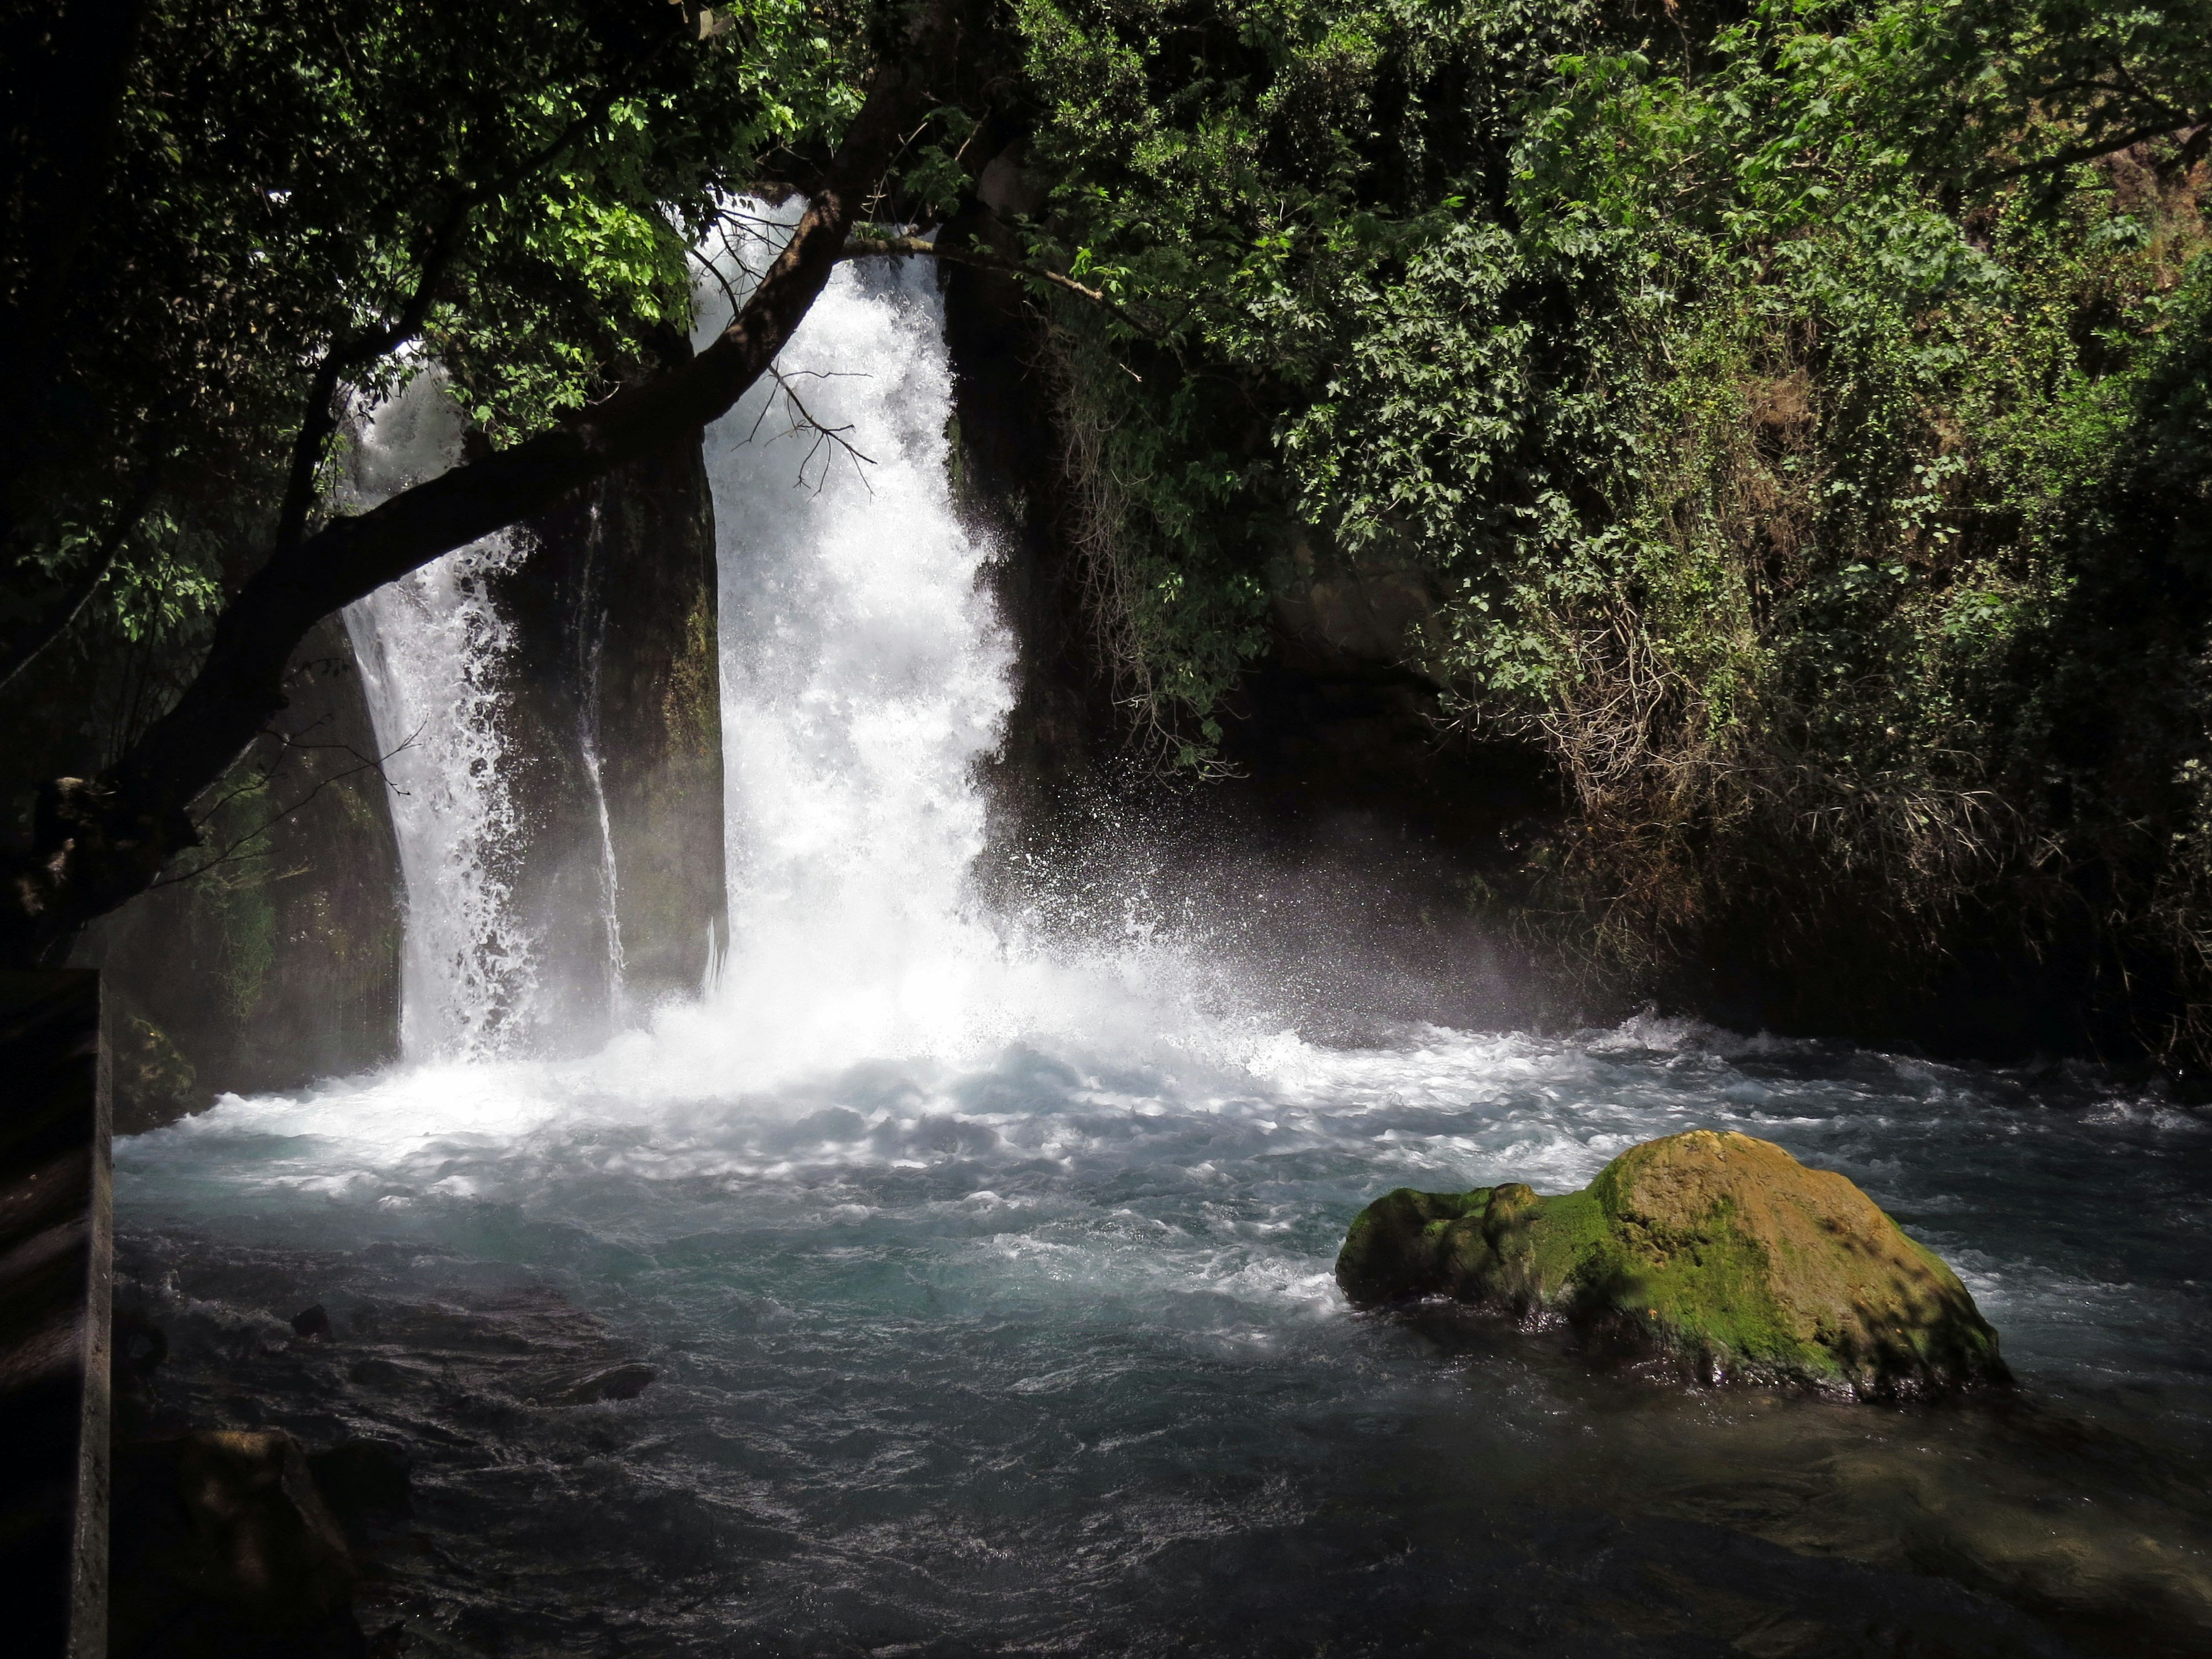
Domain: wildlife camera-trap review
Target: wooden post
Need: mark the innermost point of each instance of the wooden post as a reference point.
(56, 1259)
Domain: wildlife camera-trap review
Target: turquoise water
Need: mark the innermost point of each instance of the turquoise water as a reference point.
(1037, 1349)
(985, 1261)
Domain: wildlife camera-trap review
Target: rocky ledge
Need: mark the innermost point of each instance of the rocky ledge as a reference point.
(1717, 1252)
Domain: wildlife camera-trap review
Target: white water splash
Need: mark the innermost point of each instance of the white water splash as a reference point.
(594, 649)
(431, 649)
(865, 675)
(881, 1091)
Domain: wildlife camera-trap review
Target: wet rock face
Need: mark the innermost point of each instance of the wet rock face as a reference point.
(223, 1546)
(280, 963)
(616, 743)
(617, 1383)
(1713, 1250)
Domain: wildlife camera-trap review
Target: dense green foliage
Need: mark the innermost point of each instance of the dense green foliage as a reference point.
(298, 202)
(1796, 416)
(1800, 416)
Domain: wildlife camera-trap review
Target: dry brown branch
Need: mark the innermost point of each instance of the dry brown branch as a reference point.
(237, 850)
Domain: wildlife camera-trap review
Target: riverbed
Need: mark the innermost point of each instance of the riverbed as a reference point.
(982, 1251)
(1043, 1353)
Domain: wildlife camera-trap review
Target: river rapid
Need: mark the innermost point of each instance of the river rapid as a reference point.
(984, 1258)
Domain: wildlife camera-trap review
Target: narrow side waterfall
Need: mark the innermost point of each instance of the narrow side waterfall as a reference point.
(983, 1271)
(864, 673)
(593, 647)
(431, 648)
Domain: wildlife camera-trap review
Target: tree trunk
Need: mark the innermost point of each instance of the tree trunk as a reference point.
(98, 842)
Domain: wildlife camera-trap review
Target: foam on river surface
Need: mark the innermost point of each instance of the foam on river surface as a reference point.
(988, 1276)
(1042, 1348)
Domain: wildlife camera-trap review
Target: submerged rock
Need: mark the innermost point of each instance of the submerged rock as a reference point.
(221, 1548)
(615, 1382)
(1711, 1249)
(363, 1481)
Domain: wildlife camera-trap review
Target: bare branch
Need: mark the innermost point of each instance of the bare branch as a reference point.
(2074, 153)
(867, 243)
(832, 434)
(236, 851)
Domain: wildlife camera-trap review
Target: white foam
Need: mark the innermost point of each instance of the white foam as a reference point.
(432, 648)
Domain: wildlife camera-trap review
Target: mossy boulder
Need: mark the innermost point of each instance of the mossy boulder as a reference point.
(1710, 1249)
(153, 1083)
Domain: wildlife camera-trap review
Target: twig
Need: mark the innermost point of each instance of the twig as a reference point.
(55, 623)
(2074, 153)
(232, 851)
(835, 434)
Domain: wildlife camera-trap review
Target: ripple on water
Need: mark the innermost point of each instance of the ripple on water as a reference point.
(1042, 1348)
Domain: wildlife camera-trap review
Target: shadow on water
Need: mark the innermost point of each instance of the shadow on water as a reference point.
(983, 1262)
(1039, 1351)
(1431, 1482)
(2063, 1510)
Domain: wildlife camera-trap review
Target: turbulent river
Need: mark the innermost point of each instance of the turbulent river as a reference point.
(986, 1270)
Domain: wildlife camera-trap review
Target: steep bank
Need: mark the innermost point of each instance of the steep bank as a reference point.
(272, 959)
(1337, 791)
(1777, 586)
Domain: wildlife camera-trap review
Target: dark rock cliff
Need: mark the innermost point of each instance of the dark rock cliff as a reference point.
(1353, 827)
(278, 963)
(614, 734)
(1338, 719)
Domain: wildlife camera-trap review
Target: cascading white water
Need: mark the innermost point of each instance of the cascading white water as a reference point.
(864, 674)
(594, 648)
(990, 1293)
(430, 647)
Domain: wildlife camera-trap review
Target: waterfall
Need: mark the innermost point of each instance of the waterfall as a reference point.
(864, 675)
(431, 647)
(593, 645)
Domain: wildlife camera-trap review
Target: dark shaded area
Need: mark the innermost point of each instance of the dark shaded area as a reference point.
(614, 734)
(224, 1547)
(488, 1517)
(1344, 771)
(277, 963)
(1007, 486)
(55, 1261)
(1355, 836)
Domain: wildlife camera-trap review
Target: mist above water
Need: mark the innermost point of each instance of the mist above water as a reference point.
(985, 1252)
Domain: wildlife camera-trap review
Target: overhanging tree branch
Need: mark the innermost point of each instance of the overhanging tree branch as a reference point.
(868, 243)
(321, 423)
(97, 842)
(2073, 154)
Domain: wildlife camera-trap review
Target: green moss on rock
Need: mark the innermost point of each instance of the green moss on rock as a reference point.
(1710, 1248)
(152, 1082)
